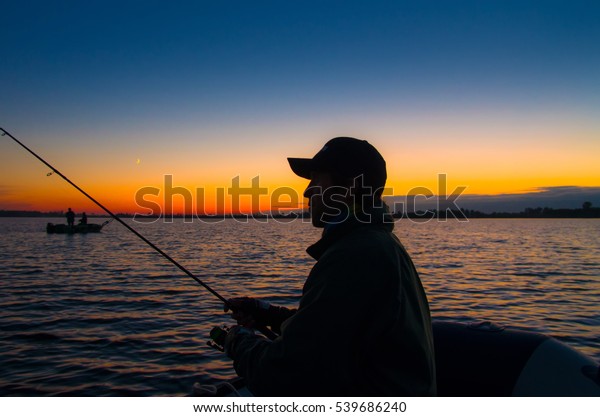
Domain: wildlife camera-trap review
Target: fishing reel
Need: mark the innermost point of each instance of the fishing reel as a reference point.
(217, 336)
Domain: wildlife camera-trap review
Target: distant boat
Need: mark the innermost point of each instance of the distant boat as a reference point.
(78, 228)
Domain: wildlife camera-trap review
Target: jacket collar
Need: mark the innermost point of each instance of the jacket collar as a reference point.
(334, 231)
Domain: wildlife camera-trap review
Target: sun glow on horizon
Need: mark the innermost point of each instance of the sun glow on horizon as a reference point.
(196, 173)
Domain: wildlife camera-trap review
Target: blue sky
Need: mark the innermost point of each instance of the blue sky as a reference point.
(186, 62)
(235, 74)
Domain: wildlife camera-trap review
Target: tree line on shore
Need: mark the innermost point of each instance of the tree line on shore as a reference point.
(586, 211)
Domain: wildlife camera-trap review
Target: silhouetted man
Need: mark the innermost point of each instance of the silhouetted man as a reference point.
(70, 217)
(363, 326)
(83, 220)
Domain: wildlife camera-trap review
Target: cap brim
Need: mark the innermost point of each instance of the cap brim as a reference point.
(302, 167)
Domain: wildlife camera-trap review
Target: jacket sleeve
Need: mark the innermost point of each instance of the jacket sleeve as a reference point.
(278, 315)
(320, 343)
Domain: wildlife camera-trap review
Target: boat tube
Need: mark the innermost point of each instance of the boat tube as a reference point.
(487, 360)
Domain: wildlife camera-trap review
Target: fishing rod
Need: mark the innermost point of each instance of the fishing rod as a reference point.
(263, 330)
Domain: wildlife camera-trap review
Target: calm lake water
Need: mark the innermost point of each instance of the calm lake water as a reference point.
(103, 314)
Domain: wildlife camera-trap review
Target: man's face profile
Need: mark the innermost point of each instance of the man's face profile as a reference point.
(326, 201)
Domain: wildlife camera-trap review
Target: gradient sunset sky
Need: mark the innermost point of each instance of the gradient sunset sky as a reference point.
(502, 96)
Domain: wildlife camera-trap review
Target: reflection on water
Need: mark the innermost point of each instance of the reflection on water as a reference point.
(102, 314)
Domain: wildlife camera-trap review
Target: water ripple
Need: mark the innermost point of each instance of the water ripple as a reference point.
(103, 315)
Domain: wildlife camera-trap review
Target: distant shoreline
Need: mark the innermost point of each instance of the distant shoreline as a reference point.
(529, 213)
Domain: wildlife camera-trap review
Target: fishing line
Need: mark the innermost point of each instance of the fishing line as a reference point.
(265, 331)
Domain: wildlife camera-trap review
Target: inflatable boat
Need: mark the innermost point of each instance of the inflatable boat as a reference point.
(487, 360)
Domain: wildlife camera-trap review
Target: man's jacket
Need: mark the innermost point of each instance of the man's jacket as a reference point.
(362, 328)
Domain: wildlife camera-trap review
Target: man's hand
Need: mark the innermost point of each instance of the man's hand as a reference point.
(249, 312)
(235, 331)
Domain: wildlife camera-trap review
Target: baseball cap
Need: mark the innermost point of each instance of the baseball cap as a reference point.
(347, 157)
